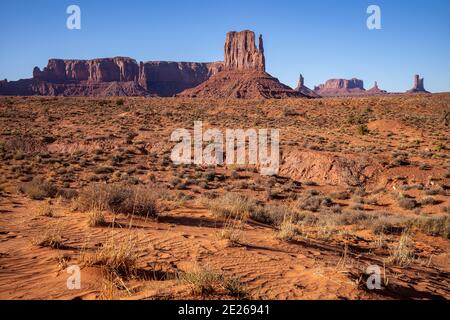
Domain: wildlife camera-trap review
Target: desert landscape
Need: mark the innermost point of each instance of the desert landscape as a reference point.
(89, 182)
(93, 205)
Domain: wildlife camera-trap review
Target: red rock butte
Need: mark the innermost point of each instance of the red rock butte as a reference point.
(244, 74)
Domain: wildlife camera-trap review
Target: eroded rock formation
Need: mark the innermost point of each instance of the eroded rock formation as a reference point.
(304, 90)
(241, 52)
(418, 85)
(119, 76)
(244, 74)
(375, 90)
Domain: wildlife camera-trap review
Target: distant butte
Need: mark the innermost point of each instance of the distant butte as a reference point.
(418, 85)
(304, 89)
(244, 75)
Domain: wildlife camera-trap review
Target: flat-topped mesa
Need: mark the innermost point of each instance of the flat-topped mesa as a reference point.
(342, 84)
(97, 70)
(418, 85)
(241, 52)
(341, 87)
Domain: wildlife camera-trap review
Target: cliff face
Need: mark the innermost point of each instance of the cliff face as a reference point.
(241, 53)
(119, 76)
(97, 70)
(168, 78)
(334, 84)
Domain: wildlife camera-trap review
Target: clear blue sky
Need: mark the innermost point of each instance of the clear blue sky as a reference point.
(320, 39)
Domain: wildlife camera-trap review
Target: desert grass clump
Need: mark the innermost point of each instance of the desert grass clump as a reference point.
(271, 214)
(120, 199)
(205, 282)
(311, 203)
(434, 226)
(387, 224)
(38, 189)
(287, 231)
(50, 239)
(231, 231)
(45, 210)
(429, 201)
(403, 253)
(117, 257)
(96, 218)
(232, 206)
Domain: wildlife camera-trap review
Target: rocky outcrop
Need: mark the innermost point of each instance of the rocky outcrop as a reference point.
(418, 85)
(244, 75)
(120, 76)
(328, 168)
(241, 52)
(304, 90)
(242, 85)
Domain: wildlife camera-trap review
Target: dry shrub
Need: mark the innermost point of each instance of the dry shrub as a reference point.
(271, 214)
(38, 189)
(406, 203)
(238, 207)
(120, 198)
(232, 206)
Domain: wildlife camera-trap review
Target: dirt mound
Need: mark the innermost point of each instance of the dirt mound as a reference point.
(243, 85)
(328, 168)
(393, 126)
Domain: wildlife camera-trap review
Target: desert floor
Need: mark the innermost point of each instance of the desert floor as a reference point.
(88, 182)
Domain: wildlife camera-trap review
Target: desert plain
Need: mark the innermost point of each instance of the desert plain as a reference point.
(364, 184)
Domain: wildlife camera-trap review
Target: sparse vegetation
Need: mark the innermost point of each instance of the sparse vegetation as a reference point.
(120, 198)
(38, 189)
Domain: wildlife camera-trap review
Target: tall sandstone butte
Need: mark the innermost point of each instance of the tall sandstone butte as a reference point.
(418, 85)
(241, 52)
(244, 75)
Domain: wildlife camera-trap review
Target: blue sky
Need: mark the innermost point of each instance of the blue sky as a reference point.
(320, 39)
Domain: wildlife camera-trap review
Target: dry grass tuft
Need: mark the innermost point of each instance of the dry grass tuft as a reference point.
(96, 218)
(45, 210)
(207, 282)
(403, 253)
(117, 257)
